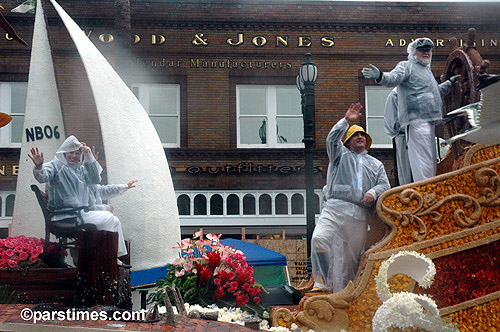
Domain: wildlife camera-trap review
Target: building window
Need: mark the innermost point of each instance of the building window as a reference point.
(233, 205)
(13, 102)
(162, 102)
(297, 204)
(183, 205)
(244, 208)
(248, 204)
(216, 205)
(265, 204)
(200, 205)
(375, 104)
(269, 116)
(7, 199)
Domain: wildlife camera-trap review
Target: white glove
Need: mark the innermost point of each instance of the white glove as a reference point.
(372, 72)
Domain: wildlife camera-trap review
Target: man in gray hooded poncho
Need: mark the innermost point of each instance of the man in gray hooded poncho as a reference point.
(419, 103)
(68, 179)
(354, 181)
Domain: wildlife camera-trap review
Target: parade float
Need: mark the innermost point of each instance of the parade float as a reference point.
(453, 219)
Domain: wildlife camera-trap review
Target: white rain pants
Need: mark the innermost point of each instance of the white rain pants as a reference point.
(422, 150)
(337, 243)
(402, 160)
(106, 221)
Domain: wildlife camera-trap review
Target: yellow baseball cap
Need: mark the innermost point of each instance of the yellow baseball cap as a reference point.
(353, 130)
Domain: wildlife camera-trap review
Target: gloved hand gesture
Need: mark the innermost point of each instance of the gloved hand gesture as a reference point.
(371, 73)
(454, 78)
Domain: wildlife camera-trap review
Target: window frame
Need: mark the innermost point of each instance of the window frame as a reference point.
(368, 116)
(242, 219)
(5, 221)
(271, 116)
(6, 107)
(143, 97)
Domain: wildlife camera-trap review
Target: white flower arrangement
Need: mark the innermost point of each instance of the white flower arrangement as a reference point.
(236, 316)
(406, 309)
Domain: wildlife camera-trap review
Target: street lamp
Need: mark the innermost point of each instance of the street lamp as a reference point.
(305, 83)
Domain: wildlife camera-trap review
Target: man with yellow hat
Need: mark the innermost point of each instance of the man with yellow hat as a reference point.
(354, 181)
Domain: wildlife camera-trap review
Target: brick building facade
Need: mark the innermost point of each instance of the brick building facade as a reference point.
(221, 68)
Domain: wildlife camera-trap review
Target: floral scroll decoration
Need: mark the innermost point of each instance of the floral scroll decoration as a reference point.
(406, 309)
(428, 205)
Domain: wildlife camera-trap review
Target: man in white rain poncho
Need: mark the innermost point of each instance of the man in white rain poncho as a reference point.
(67, 179)
(419, 103)
(353, 183)
(394, 131)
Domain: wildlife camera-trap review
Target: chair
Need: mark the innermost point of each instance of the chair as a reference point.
(64, 229)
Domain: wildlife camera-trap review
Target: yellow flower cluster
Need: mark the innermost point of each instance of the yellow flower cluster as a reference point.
(461, 184)
(486, 153)
(485, 317)
(362, 309)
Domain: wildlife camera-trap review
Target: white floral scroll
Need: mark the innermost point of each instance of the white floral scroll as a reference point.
(406, 309)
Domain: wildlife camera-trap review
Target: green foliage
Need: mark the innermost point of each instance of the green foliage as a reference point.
(187, 285)
(7, 296)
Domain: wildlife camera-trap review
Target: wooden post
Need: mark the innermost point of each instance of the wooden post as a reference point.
(243, 231)
(97, 265)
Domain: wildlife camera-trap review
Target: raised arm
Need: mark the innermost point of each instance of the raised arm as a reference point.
(42, 172)
(92, 167)
(333, 140)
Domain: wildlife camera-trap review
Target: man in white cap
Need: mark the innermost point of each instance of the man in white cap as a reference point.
(354, 181)
(419, 103)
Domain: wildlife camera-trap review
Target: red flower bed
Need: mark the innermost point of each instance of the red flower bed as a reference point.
(465, 275)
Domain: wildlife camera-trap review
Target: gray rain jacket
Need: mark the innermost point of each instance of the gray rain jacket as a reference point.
(67, 185)
(419, 95)
(351, 175)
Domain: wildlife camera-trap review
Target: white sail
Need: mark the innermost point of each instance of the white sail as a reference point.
(133, 150)
(43, 128)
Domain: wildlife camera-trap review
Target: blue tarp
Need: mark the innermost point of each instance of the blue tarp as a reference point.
(255, 254)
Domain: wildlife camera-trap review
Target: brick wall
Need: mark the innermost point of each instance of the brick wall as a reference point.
(362, 33)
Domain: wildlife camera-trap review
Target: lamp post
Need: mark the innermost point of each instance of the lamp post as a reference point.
(305, 83)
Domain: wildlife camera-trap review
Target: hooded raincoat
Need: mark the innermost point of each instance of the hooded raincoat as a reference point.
(419, 107)
(339, 236)
(68, 187)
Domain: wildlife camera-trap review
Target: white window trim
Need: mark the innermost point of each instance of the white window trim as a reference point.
(5, 107)
(5, 221)
(367, 116)
(144, 99)
(242, 220)
(270, 116)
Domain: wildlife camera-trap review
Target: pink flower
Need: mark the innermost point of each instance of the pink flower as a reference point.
(33, 259)
(9, 252)
(12, 263)
(179, 273)
(213, 237)
(219, 293)
(23, 256)
(256, 300)
(9, 243)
